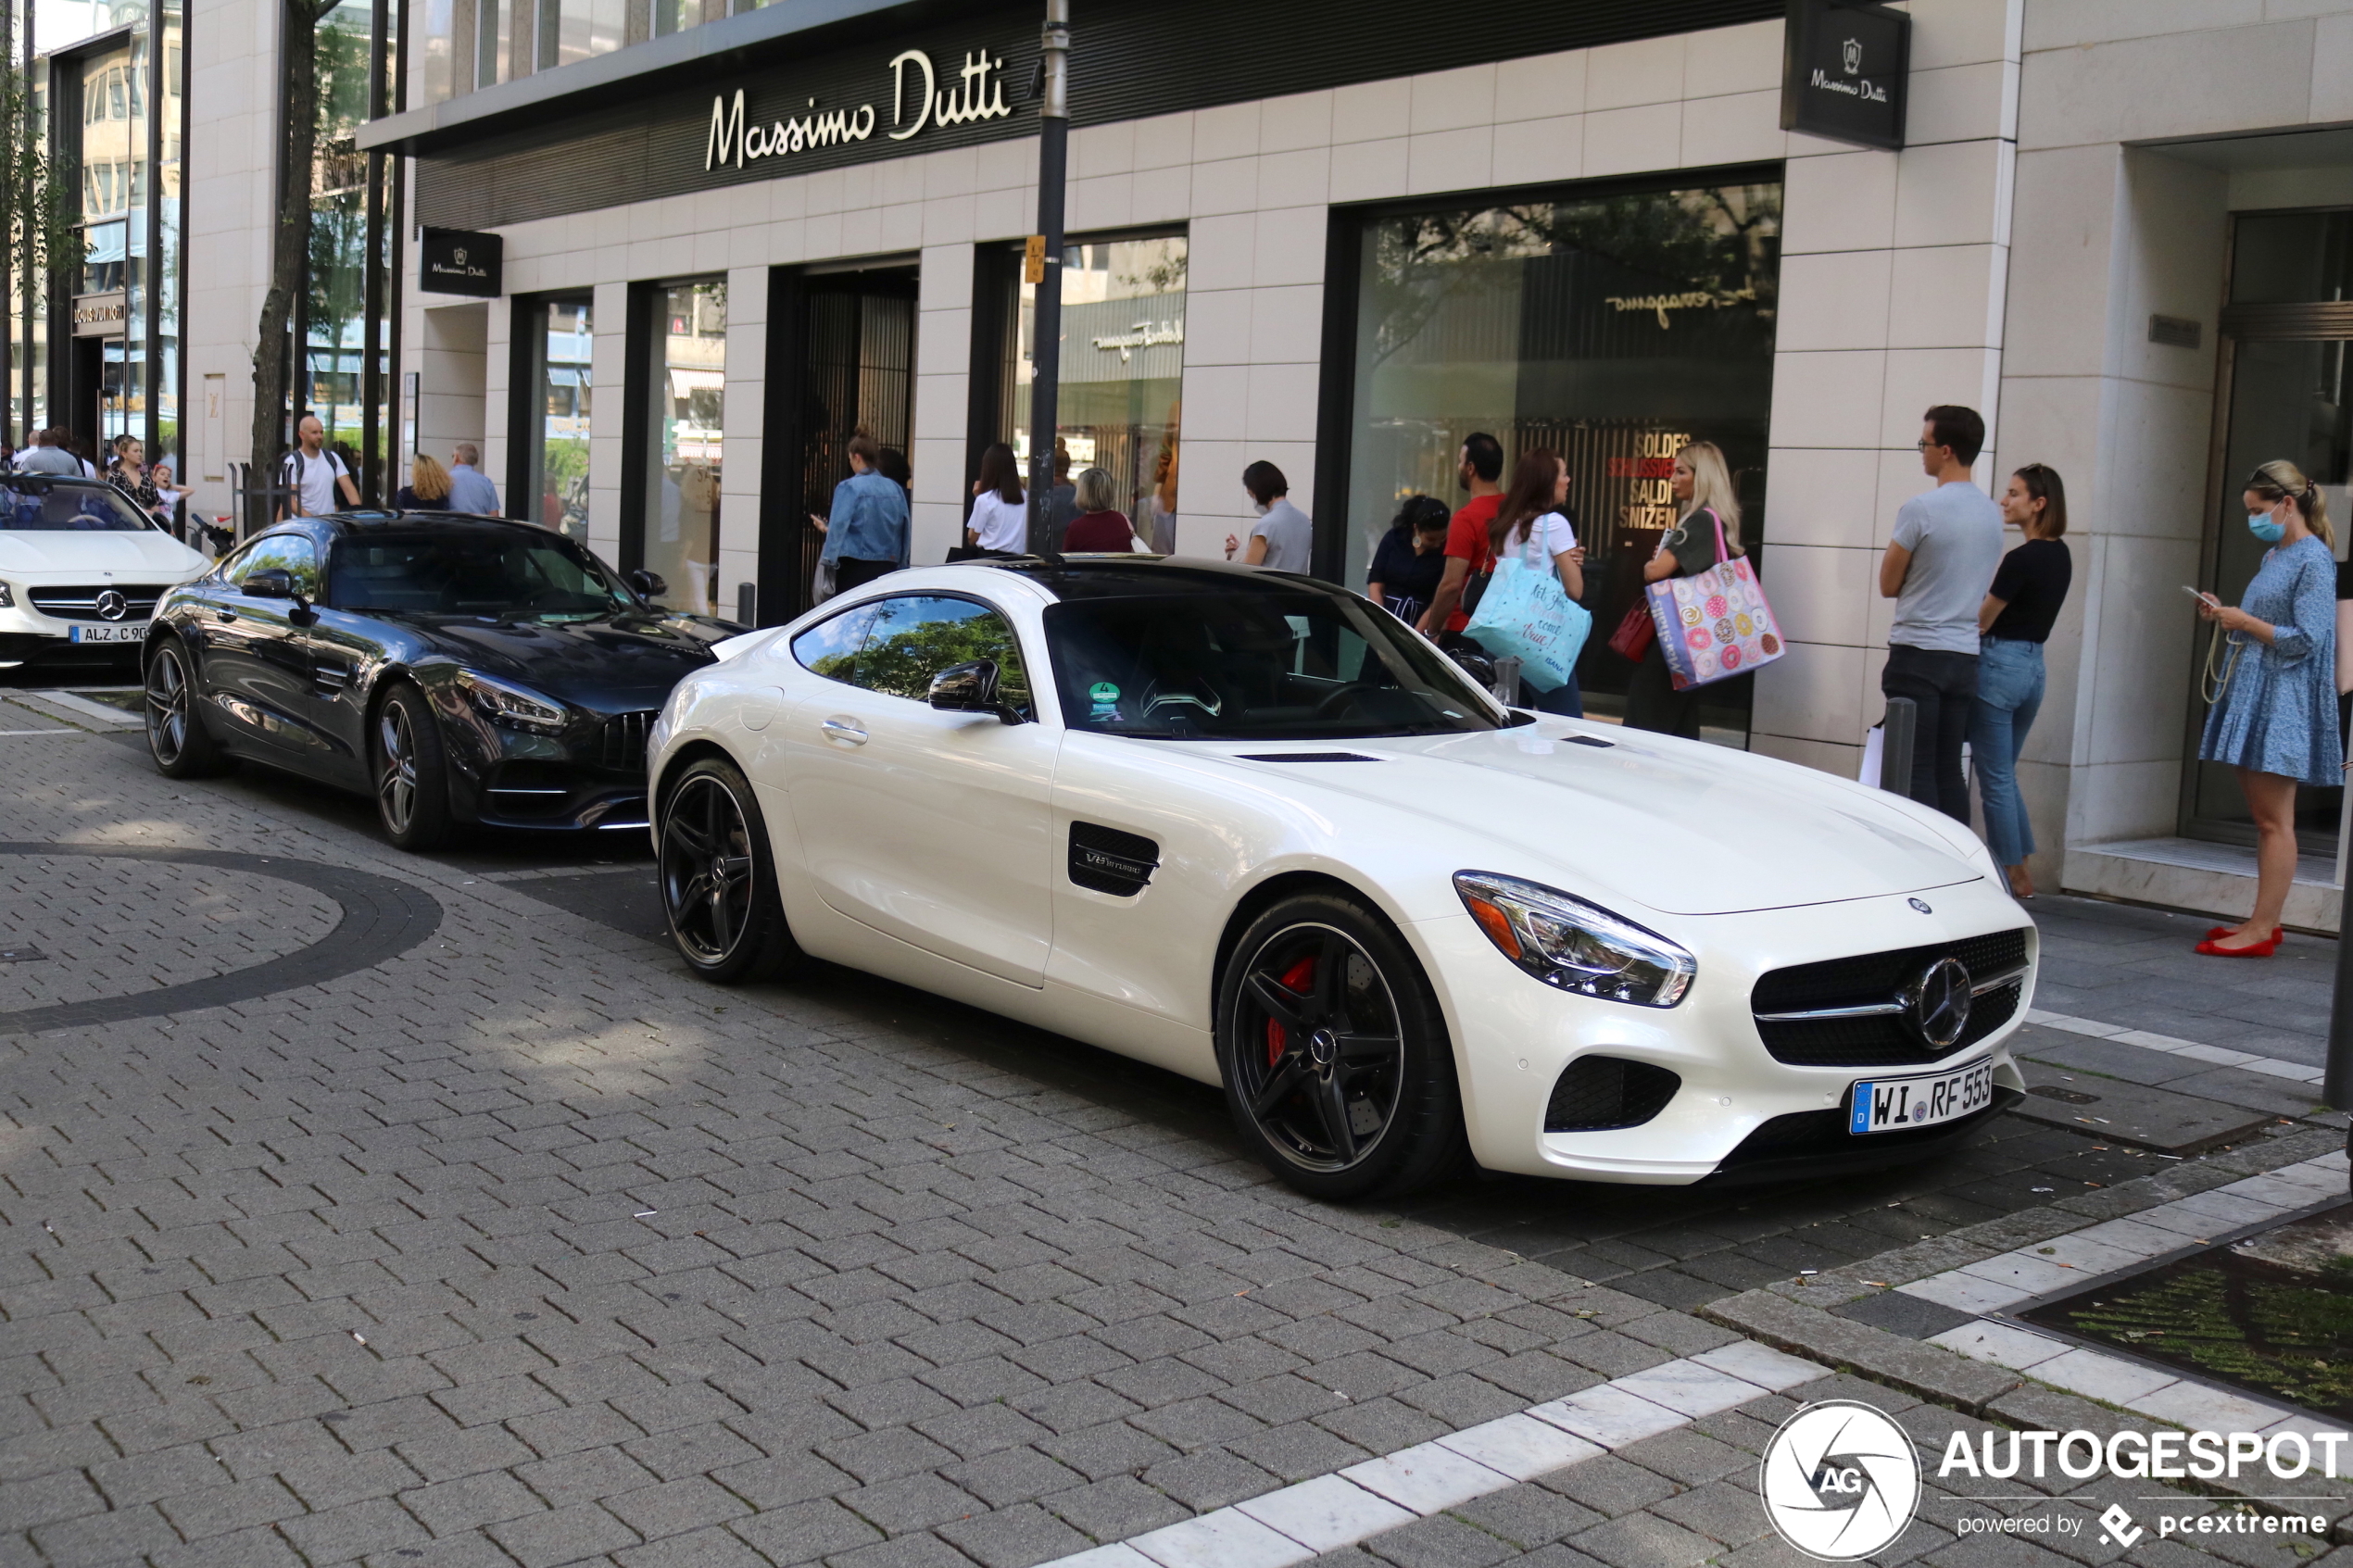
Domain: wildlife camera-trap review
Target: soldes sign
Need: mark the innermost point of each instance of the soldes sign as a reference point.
(1844, 67)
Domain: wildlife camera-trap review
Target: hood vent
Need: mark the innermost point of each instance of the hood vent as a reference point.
(1305, 757)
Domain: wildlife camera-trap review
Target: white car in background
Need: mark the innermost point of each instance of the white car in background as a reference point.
(1250, 828)
(80, 567)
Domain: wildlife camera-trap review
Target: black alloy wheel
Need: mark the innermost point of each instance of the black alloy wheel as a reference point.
(1333, 1052)
(719, 877)
(181, 747)
(410, 771)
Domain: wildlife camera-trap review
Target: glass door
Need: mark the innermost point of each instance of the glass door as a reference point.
(2287, 333)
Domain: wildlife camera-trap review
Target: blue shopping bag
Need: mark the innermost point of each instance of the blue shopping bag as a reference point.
(1526, 615)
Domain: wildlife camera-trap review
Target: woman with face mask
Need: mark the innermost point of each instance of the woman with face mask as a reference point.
(2274, 718)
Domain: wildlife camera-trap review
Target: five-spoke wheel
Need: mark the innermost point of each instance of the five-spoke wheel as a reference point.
(181, 747)
(1335, 1058)
(718, 878)
(412, 776)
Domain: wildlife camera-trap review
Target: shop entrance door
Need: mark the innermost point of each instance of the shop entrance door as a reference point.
(856, 333)
(2285, 387)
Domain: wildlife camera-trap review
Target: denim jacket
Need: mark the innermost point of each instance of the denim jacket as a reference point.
(868, 519)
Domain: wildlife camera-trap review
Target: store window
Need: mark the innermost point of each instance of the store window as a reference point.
(2287, 350)
(557, 385)
(1611, 327)
(1123, 376)
(684, 417)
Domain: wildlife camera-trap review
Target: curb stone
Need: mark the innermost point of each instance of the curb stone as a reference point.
(1795, 1315)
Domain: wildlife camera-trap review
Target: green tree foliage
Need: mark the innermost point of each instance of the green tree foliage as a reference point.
(903, 661)
(39, 212)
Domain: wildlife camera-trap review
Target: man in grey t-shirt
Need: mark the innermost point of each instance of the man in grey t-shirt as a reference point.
(1938, 567)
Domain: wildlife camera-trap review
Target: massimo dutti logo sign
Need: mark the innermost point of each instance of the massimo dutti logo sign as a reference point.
(918, 101)
(1843, 69)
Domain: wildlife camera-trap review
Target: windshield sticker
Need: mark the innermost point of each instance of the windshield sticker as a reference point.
(1105, 698)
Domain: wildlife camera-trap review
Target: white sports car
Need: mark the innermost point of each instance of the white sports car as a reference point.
(80, 567)
(1250, 828)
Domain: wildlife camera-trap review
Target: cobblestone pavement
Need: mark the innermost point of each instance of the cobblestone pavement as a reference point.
(522, 1248)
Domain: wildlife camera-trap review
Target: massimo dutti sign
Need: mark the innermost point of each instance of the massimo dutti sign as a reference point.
(1845, 65)
(460, 261)
(917, 100)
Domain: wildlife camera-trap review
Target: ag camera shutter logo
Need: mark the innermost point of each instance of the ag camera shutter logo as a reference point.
(1839, 1481)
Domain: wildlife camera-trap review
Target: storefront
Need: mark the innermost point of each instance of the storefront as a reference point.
(1340, 240)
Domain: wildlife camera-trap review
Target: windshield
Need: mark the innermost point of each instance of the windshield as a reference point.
(33, 503)
(1251, 663)
(509, 575)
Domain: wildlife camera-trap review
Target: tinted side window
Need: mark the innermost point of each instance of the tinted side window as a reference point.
(917, 636)
(293, 552)
(830, 647)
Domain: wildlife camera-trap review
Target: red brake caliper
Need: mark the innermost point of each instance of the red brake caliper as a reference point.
(1300, 978)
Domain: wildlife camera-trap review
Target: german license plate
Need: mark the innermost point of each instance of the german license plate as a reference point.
(108, 632)
(1894, 1105)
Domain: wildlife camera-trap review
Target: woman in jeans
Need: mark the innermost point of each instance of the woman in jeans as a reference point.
(2013, 623)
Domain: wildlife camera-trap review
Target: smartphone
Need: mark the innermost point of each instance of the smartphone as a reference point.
(2196, 594)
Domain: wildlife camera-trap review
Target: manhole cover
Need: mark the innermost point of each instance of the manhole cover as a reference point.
(2272, 1314)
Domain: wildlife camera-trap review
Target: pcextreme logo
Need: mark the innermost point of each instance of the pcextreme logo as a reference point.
(1839, 1481)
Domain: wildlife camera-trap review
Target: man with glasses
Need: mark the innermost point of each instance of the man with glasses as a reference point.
(1939, 564)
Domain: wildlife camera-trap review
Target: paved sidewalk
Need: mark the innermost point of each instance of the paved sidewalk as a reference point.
(520, 1247)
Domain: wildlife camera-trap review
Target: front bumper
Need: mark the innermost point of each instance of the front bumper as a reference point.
(1514, 1037)
(590, 775)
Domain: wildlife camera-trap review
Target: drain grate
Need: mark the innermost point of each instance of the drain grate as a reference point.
(2270, 1314)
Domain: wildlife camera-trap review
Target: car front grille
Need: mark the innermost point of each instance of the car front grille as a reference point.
(80, 601)
(1875, 981)
(622, 745)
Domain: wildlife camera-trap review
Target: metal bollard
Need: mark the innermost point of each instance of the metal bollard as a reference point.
(1896, 746)
(746, 604)
(1508, 682)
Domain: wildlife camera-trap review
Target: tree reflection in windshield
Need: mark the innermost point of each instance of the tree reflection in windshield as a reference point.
(1252, 664)
(38, 504)
(463, 572)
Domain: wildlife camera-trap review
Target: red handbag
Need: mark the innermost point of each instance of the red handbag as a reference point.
(1635, 633)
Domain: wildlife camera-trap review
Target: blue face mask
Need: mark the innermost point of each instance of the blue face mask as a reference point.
(2266, 527)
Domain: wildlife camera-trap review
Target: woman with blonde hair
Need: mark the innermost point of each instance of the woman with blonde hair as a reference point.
(1706, 534)
(428, 487)
(2274, 716)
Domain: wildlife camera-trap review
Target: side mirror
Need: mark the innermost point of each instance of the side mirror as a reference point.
(971, 688)
(270, 582)
(647, 584)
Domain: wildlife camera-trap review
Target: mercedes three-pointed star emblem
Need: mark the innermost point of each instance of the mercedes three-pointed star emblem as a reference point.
(112, 606)
(1938, 1003)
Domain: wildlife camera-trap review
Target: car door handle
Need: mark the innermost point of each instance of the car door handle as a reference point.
(226, 614)
(843, 730)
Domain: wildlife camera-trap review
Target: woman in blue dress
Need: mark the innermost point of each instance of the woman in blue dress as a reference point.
(2275, 719)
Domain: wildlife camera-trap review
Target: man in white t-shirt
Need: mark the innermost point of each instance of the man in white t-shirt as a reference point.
(317, 476)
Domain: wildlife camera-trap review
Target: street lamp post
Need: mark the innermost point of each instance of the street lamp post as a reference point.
(1046, 328)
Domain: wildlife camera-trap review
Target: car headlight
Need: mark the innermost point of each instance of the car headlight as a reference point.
(513, 705)
(1575, 945)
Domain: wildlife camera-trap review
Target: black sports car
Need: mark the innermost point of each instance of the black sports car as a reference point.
(457, 668)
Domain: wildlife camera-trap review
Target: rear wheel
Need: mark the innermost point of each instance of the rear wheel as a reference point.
(1334, 1055)
(719, 877)
(412, 770)
(181, 747)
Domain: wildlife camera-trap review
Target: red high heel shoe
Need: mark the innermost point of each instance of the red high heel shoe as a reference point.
(2260, 950)
(2277, 932)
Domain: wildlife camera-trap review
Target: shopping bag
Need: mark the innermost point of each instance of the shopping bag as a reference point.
(1715, 624)
(1526, 614)
(1635, 633)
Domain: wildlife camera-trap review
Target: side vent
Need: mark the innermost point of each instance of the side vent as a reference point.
(1107, 861)
(1600, 1092)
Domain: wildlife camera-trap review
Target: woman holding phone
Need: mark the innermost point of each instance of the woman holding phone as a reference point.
(2274, 718)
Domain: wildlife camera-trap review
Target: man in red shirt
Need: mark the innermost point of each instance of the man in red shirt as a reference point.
(1480, 465)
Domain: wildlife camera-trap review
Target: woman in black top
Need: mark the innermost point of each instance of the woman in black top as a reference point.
(2012, 625)
(1409, 559)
